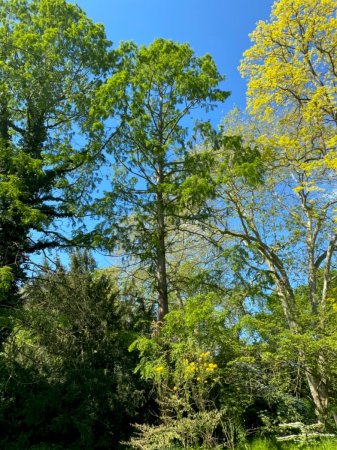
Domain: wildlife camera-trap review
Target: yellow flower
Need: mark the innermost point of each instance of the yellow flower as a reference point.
(212, 366)
(159, 369)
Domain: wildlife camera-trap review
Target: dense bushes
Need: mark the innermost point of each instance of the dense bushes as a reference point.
(67, 375)
(84, 369)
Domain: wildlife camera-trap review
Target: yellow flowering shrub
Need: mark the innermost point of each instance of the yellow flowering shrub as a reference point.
(184, 369)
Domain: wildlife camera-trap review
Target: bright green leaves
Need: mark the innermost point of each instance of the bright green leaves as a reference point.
(240, 161)
(172, 63)
(6, 279)
(247, 164)
(52, 59)
(184, 364)
(158, 179)
(160, 83)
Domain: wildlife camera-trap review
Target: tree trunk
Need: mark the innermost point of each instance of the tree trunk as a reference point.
(161, 274)
(319, 393)
(162, 281)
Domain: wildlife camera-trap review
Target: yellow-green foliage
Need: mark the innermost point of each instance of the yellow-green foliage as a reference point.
(181, 363)
(292, 78)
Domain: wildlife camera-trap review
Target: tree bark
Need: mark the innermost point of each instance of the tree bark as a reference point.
(161, 273)
(319, 393)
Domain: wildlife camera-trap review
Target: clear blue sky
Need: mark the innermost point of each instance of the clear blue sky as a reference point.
(218, 27)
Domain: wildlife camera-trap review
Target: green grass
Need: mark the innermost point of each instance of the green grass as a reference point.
(270, 444)
(267, 444)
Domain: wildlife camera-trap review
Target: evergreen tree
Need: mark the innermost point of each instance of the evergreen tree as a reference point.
(52, 58)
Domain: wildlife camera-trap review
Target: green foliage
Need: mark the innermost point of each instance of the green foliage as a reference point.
(182, 362)
(158, 179)
(234, 230)
(6, 279)
(240, 160)
(291, 81)
(186, 433)
(283, 353)
(52, 59)
(271, 444)
(67, 375)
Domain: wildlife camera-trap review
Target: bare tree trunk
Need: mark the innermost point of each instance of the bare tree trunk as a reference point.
(335, 418)
(319, 393)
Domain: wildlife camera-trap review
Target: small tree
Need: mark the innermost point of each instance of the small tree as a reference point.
(182, 363)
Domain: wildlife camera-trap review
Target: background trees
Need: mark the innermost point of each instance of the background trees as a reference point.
(292, 89)
(292, 79)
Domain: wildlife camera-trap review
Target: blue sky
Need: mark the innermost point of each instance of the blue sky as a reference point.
(218, 27)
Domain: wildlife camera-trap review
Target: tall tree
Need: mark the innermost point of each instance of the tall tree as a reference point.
(52, 58)
(281, 220)
(155, 172)
(292, 78)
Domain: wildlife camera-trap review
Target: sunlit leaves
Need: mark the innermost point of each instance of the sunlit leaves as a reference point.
(292, 76)
(52, 59)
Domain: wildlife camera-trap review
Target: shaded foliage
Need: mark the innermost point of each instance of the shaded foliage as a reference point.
(67, 374)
